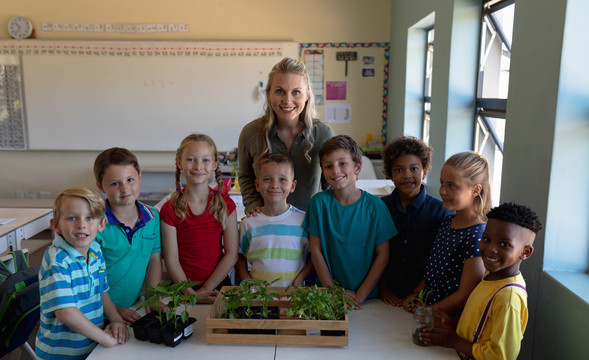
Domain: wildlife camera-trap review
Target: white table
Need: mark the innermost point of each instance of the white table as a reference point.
(378, 331)
(27, 223)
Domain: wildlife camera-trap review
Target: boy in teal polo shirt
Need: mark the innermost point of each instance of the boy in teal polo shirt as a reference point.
(131, 241)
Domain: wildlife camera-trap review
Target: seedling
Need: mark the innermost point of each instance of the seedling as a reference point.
(419, 301)
(314, 303)
(155, 296)
(249, 293)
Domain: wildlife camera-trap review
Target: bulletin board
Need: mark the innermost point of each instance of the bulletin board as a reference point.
(142, 95)
(355, 104)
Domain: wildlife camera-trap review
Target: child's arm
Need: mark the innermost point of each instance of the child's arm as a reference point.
(241, 268)
(381, 259)
(302, 275)
(319, 262)
(472, 273)
(230, 247)
(74, 319)
(117, 325)
(170, 250)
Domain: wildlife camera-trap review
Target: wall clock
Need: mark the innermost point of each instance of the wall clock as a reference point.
(19, 27)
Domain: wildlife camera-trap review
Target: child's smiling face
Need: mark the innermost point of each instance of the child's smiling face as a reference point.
(503, 246)
(121, 184)
(407, 174)
(339, 169)
(275, 182)
(77, 225)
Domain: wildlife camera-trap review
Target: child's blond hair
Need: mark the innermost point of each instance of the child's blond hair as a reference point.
(217, 205)
(95, 201)
(474, 169)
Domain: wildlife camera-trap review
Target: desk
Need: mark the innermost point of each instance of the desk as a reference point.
(28, 223)
(378, 331)
(26, 203)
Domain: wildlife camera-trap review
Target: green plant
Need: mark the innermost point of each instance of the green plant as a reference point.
(314, 303)
(248, 294)
(175, 293)
(419, 301)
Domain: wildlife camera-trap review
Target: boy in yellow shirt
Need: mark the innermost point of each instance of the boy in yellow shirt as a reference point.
(496, 313)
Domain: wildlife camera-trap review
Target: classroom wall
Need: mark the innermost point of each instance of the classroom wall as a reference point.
(302, 21)
(545, 111)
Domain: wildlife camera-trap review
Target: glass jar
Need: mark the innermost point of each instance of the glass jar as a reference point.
(423, 317)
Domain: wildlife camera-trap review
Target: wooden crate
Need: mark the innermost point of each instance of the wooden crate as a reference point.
(289, 331)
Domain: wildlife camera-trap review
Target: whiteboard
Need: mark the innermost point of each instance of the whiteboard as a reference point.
(144, 96)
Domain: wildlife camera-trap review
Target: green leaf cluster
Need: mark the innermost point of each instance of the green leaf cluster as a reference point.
(420, 300)
(175, 294)
(314, 303)
(249, 293)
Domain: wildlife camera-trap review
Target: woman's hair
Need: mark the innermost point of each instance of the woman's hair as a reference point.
(95, 201)
(406, 145)
(474, 169)
(113, 156)
(343, 142)
(217, 205)
(309, 113)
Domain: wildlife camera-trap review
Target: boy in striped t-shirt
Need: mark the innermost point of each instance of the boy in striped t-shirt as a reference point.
(273, 241)
(72, 282)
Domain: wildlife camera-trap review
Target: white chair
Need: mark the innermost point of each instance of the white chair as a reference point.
(367, 172)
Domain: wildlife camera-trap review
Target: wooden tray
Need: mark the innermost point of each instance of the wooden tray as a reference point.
(289, 331)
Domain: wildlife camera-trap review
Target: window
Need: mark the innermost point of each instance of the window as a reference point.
(493, 84)
(427, 90)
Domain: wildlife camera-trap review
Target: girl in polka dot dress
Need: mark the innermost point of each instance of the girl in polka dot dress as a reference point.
(455, 266)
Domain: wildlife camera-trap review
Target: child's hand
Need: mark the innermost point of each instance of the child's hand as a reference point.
(253, 212)
(388, 297)
(108, 340)
(128, 315)
(440, 337)
(208, 296)
(354, 301)
(118, 331)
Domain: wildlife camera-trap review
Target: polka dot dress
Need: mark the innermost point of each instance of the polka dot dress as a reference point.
(451, 248)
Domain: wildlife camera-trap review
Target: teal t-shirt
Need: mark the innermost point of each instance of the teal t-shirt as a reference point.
(349, 234)
(127, 252)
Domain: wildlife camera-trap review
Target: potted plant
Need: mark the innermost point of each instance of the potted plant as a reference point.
(251, 300)
(423, 315)
(315, 303)
(167, 326)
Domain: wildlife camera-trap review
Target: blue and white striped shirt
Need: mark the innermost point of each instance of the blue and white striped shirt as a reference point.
(66, 279)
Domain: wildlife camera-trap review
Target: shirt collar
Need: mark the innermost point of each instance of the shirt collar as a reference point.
(60, 242)
(415, 203)
(145, 214)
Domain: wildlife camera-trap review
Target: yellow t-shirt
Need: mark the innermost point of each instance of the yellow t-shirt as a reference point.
(506, 322)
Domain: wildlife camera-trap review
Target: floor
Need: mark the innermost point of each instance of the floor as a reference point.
(36, 246)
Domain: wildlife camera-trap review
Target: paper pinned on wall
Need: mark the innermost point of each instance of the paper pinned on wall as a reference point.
(338, 113)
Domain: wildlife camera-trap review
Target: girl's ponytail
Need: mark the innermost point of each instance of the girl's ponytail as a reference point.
(177, 199)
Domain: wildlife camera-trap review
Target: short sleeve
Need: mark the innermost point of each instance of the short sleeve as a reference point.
(470, 247)
(386, 228)
(167, 214)
(311, 222)
(157, 243)
(244, 241)
(56, 288)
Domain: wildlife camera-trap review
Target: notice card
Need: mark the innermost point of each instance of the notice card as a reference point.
(338, 113)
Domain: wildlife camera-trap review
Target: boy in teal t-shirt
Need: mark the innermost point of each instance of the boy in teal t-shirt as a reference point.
(349, 228)
(131, 240)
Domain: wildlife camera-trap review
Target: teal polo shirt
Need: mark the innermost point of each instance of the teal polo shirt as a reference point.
(127, 252)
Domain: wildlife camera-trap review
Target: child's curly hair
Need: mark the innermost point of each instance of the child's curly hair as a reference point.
(406, 145)
(517, 214)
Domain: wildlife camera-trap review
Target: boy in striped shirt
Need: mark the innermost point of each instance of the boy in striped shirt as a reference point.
(73, 285)
(273, 241)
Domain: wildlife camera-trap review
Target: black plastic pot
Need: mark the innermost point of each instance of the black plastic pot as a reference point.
(140, 326)
(172, 336)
